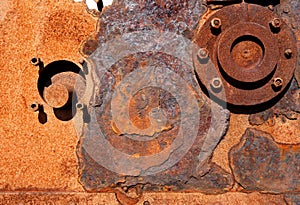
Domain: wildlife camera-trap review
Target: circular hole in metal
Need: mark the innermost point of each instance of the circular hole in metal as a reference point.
(79, 106)
(33, 106)
(247, 51)
(56, 86)
(35, 61)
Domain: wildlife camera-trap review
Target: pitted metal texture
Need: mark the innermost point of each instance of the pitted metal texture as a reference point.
(253, 52)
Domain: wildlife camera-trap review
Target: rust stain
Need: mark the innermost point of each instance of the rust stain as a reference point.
(39, 163)
(260, 164)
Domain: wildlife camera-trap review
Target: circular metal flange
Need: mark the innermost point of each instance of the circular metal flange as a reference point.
(248, 53)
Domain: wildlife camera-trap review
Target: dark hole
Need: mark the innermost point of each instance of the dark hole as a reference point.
(79, 105)
(100, 5)
(33, 105)
(53, 69)
(228, 2)
(34, 60)
(65, 113)
(264, 3)
(248, 38)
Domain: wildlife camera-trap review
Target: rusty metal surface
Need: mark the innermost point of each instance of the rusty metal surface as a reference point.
(288, 107)
(148, 198)
(56, 86)
(260, 164)
(248, 52)
(289, 11)
(142, 135)
(292, 199)
(178, 16)
(141, 119)
(151, 79)
(39, 163)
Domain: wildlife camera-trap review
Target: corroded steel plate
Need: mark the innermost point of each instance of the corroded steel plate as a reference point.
(253, 51)
(259, 163)
(149, 123)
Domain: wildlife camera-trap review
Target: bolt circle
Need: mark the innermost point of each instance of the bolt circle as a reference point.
(272, 55)
(216, 23)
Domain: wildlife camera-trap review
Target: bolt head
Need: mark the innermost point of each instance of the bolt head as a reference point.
(81, 61)
(286, 9)
(216, 83)
(203, 53)
(276, 23)
(277, 82)
(271, 7)
(288, 53)
(146, 203)
(216, 23)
